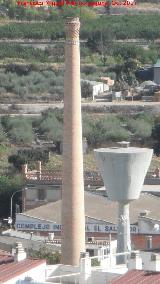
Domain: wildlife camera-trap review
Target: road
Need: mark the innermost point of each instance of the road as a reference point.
(37, 108)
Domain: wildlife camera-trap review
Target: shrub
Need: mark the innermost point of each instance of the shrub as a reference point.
(156, 137)
(89, 69)
(95, 262)
(140, 127)
(18, 129)
(17, 161)
(11, 50)
(100, 130)
(3, 136)
(51, 128)
(8, 185)
(44, 253)
(86, 90)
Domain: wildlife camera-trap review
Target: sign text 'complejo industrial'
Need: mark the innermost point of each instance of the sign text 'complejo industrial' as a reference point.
(25, 226)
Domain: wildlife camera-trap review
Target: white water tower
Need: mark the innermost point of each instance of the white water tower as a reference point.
(123, 170)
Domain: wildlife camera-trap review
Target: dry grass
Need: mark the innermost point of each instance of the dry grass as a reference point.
(5, 151)
(55, 162)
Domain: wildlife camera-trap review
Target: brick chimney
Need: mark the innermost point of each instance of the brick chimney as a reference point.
(73, 217)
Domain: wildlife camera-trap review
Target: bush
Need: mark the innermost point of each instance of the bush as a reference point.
(3, 136)
(51, 128)
(140, 128)
(11, 50)
(44, 253)
(18, 129)
(8, 185)
(33, 82)
(122, 26)
(95, 262)
(99, 131)
(21, 135)
(156, 137)
(89, 69)
(86, 90)
(17, 161)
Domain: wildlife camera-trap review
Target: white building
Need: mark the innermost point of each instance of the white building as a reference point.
(97, 87)
(16, 268)
(101, 219)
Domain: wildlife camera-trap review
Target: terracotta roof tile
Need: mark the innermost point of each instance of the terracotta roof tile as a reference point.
(11, 270)
(138, 277)
(5, 257)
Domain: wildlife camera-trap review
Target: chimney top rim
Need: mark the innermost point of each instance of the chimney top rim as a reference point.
(70, 20)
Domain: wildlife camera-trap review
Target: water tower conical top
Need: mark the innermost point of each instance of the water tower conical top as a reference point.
(123, 170)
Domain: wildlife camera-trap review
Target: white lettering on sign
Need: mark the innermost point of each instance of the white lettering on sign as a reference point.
(24, 226)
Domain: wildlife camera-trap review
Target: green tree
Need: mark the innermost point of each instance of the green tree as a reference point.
(51, 127)
(140, 128)
(86, 89)
(156, 137)
(8, 185)
(19, 129)
(17, 161)
(99, 131)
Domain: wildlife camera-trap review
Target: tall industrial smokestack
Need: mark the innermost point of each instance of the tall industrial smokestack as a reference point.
(73, 217)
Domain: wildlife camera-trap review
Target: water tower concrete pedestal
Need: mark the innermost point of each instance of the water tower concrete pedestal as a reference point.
(123, 171)
(123, 236)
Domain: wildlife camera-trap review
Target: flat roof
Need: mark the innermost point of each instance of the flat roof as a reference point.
(138, 276)
(123, 150)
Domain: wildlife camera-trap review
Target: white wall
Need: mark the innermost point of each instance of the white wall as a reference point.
(102, 277)
(97, 89)
(63, 270)
(37, 273)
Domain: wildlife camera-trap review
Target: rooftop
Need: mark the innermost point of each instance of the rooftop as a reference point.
(14, 269)
(138, 276)
(5, 257)
(93, 83)
(123, 150)
(100, 208)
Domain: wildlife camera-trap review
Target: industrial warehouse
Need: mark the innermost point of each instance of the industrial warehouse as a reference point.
(100, 218)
